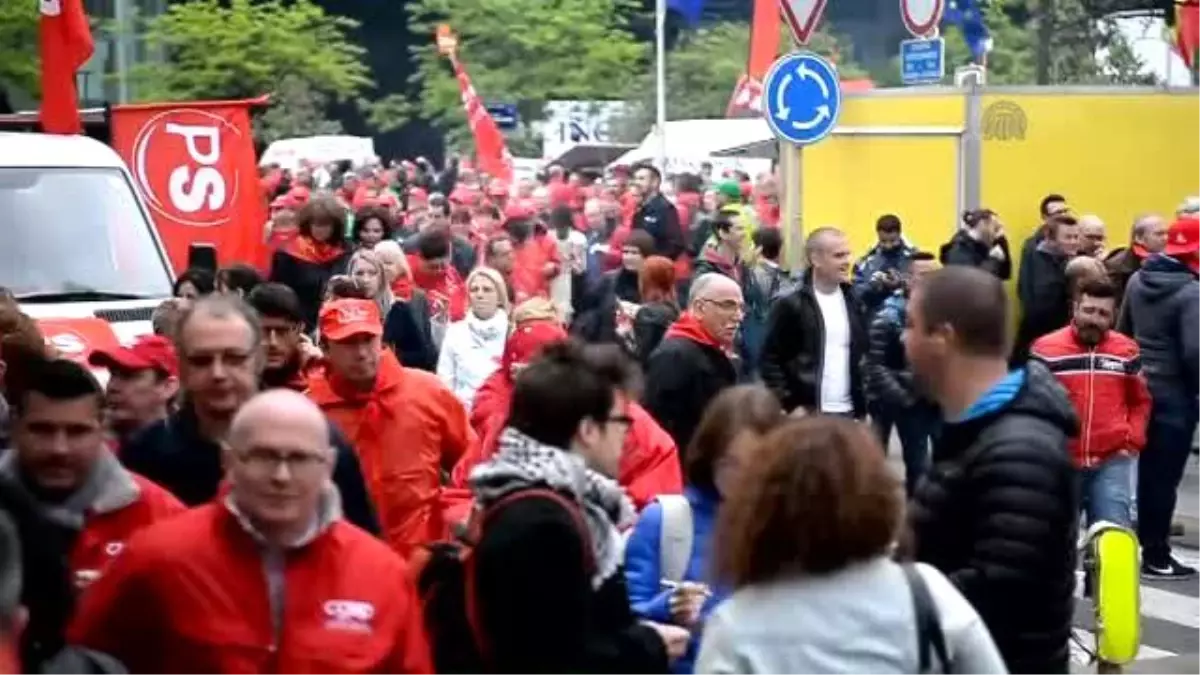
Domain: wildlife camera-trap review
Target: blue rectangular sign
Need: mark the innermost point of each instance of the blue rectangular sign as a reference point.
(922, 61)
(505, 115)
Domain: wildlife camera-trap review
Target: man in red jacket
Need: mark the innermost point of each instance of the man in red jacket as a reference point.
(60, 458)
(268, 578)
(1101, 370)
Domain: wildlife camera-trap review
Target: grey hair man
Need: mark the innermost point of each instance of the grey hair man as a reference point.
(693, 362)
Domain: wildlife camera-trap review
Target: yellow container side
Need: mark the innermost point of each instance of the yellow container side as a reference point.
(849, 181)
(1111, 154)
(943, 108)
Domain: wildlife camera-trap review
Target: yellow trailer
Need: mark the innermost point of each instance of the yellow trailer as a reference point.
(927, 154)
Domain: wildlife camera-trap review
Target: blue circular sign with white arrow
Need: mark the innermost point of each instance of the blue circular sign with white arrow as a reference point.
(802, 97)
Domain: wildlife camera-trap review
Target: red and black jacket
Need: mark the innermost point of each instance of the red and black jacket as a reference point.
(1106, 387)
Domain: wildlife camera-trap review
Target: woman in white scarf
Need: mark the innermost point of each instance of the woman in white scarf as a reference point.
(472, 347)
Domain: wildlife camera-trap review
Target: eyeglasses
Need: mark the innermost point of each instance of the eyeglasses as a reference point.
(265, 462)
(624, 420)
(730, 306)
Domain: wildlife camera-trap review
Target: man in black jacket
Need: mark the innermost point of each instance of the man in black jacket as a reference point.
(1042, 285)
(1052, 205)
(998, 511)
(547, 565)
(817, 335)
(892, 397)
(219, 342)
(657, 215)
(693, 362)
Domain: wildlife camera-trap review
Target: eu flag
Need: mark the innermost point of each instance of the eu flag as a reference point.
(690, 10)
(968, 16)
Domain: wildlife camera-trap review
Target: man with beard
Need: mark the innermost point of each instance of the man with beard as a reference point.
(1101, 370)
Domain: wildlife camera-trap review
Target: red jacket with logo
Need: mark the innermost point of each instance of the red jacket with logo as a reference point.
(1106, 387)
(110, 524)
(191, 595)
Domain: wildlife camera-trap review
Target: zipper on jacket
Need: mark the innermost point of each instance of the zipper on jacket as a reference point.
(1091, 405)
(274, 574)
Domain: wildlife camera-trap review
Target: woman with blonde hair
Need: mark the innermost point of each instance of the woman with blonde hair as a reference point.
(368, 272)
(472, 347)
(804, 540)
(406, 326)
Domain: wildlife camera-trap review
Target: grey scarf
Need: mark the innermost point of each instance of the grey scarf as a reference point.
(522, 463)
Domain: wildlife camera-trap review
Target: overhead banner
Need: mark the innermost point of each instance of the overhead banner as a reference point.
(194, 164)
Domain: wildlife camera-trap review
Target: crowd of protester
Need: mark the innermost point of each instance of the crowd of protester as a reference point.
(588, 424)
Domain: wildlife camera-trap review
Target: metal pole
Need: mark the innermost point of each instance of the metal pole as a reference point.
(1045, 36)
(121, 43)
(660, 80)
(791, 166)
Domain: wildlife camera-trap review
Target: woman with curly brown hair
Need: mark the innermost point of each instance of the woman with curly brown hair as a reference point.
(317, 253)
(804, 539)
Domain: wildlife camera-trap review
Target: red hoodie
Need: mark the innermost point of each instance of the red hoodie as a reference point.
(530, 277)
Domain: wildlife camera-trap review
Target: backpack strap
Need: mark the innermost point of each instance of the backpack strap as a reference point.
(472, 601)
(929, 623)
(675, 537)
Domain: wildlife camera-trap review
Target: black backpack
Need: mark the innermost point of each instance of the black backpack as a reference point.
(446, 583)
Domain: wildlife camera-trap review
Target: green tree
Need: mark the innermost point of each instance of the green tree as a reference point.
(525, 52)
(1084, 47)
(18, 44)
(703, 69)
(295, 111)
(214, 49)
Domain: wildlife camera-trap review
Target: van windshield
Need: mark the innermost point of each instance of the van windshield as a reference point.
(76, 232)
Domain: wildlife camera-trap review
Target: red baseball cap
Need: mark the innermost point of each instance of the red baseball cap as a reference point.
(149, 352)
(1183, 237)
(343, 319)
(527, 341)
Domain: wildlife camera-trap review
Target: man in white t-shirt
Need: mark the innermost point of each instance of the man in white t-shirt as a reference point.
(816, 335)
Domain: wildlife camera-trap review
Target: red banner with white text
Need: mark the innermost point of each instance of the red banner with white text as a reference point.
(195, 166)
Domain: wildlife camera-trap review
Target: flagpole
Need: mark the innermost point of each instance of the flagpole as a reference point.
(660, 80)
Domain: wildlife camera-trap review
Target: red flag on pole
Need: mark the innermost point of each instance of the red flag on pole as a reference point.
(195, 165)
(65, 42)
(764, 47)
(491, 152)
(1187, 31)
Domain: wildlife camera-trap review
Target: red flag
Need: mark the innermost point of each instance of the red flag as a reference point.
(764, 47)
(65, 42)
(491, 152)
(195, 166)
(1187, 31)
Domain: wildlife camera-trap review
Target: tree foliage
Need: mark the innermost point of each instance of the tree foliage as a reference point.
(214, 49)
(295, 111)
(1085, 48)
(705, 66)
(525, 52)
(18, 44)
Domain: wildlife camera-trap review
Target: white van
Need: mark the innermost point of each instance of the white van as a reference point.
(76, 241)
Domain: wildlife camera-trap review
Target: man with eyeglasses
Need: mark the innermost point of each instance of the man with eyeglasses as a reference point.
(268, 578)
(219, 341)
(287, 355)
(694, 361)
